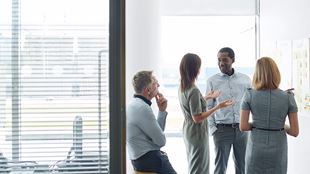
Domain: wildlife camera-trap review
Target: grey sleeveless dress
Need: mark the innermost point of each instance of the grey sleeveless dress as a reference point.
(267, 150)
(195, 135)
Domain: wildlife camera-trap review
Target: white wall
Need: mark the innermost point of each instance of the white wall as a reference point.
(142, 39)
(207, 7)
(282, 20)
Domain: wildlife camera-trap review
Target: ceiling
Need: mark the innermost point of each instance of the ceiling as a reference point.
(207, 7)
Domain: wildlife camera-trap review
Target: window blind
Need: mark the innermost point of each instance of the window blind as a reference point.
(54, 86)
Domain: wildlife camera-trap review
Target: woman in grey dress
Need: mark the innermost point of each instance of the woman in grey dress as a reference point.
(267, 145)
(193, 105)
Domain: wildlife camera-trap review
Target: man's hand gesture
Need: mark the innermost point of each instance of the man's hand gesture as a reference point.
(161, 102)
(212, 94)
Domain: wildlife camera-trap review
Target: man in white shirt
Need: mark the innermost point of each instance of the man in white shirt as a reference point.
(224, 124)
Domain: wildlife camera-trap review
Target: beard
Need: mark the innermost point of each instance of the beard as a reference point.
(225, 69)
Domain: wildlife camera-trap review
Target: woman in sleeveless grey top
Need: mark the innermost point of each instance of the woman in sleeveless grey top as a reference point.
(195, 126)
(266, 151)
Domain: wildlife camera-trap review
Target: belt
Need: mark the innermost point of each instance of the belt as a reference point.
(265, 129)
(234, 125)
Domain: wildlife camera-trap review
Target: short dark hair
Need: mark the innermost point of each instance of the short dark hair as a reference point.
(141, 80)
(228, 50)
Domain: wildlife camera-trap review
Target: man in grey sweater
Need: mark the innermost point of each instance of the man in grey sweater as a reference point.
(145, 134)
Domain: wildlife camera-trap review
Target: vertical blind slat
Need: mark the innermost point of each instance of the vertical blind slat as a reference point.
(50, 90)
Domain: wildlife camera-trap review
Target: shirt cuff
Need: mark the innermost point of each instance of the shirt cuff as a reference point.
(161, 119)
(162, 114)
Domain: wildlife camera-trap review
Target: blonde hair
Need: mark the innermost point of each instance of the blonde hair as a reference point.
(266, 75)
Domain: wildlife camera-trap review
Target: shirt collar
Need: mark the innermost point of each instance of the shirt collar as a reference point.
(234, 73)
(143, 98)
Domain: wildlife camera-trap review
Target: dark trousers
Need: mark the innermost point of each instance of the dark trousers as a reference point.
(225, 138)
(154, 161)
